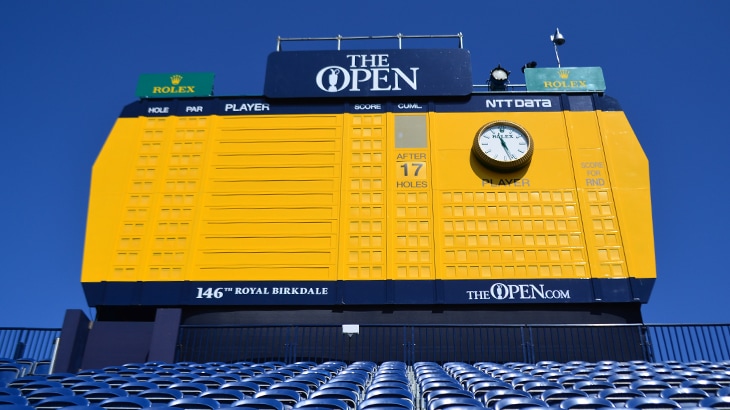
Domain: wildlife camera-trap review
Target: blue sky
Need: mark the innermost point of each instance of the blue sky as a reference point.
(68, 68)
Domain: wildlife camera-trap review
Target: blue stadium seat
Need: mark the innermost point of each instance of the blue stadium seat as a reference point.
(264, 382)
(671, 379)
(99, 395)
(620, 395)
(351, 397)
(253, 403)
(469, 384)
(276, 376)
(227, 377)
(98, 376)
(134, 388)
(189, 389)
(17, 407)
(585, 403)
(651, 388)
(10, 371)
(161, 396)
(309, 379)
(517, 403)
(434, 383)
(41, 367)
(13, 400)
(723, 379)
(592, 387)
(332, 404)
(519, 382)
(9, 391)
(716, 402)
(287, 397)
(184, 377)
(536, 388)
(242, 373)
(247, 388)
(389, 393)
(480, 389)
(117, 381)
(652, 403)
(552, 376)
(33, 385)
(224, 396)
(493, 396)
(319, 377)
(164, 381)
(301, 388)
(685, 396)
(386, 403)
(441, 393)
(57, 377)
(194, 403)
(69, 381)
(554, 397)
(709, 386)
(450, 402)
(57, 402)
(39, 395)
(570, 380)
(125, 403)
(83, 387)
(388, 383)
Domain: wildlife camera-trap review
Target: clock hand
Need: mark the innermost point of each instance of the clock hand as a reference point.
(504, 145)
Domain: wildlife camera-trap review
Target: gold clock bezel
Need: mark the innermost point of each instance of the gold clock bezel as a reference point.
(499, 165)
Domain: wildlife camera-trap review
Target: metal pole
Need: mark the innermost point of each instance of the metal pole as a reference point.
(56, 342)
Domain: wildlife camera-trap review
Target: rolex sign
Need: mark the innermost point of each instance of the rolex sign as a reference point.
(175, 85)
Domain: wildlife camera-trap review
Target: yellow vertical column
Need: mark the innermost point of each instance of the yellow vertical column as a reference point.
(363, 239)
(138, 210)
(410, 199)
(172, 238)
(603, 238)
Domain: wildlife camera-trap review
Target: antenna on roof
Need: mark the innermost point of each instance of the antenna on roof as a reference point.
(558, 40)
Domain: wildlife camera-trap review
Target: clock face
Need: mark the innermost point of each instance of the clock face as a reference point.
(503, 146)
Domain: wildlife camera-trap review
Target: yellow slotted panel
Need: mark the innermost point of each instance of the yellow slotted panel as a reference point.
(271, 204)
(364, 235)
(520, 225)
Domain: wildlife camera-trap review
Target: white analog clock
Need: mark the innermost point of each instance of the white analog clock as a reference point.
(503, 146)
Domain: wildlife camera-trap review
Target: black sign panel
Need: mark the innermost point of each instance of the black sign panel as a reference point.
(368, 73)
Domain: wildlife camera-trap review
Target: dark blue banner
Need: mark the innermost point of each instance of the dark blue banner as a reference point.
(383, 292)
(368, 73)
(265, 106)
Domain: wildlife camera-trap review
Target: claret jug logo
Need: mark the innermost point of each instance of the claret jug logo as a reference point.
(369, 72)
(175, 87)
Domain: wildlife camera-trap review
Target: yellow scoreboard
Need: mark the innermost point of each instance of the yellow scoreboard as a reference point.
(370, 201)
(238, 201)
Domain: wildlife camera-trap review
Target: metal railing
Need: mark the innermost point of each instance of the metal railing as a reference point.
(412, 343)
(689, 342)
(339, 39)
(469, 343)
(28, 343)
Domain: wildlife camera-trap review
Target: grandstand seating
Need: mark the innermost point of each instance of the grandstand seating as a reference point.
(369, 386)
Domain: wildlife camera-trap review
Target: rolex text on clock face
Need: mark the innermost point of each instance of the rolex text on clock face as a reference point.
(504, 143)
